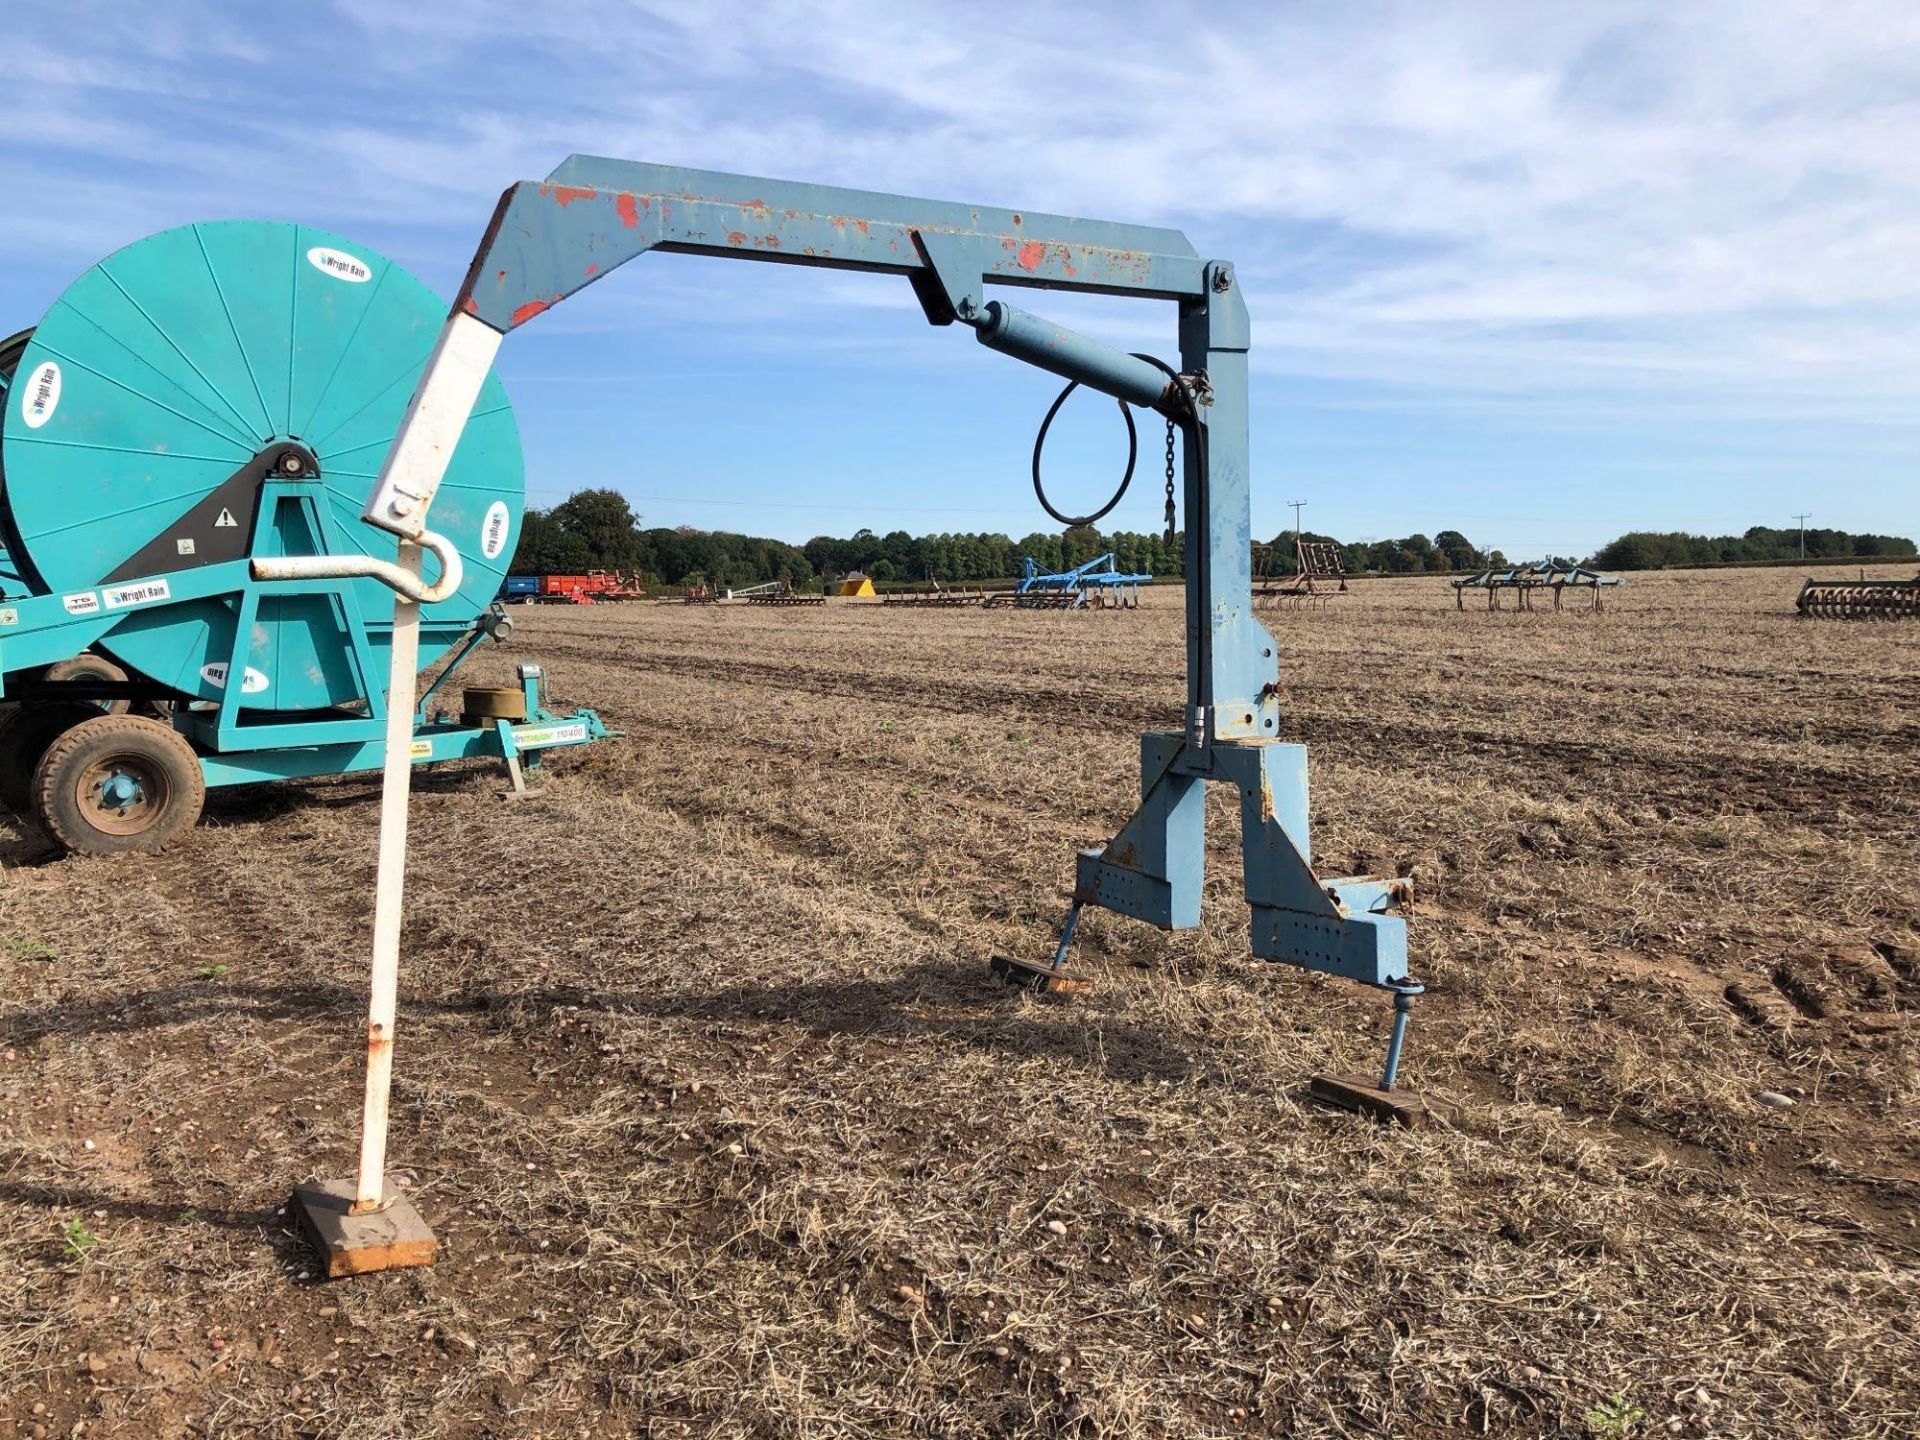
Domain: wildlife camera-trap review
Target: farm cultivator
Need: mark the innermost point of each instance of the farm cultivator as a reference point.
(1094, 585)
(1525, 581)
(786, 597)
(1861, 599)
(1320, 575)
(937, 598)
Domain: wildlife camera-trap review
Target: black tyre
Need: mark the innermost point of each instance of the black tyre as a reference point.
(25, 738)
(92, 667)
(118, 785)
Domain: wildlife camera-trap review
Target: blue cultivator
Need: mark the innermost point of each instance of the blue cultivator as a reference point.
(1096, 584)
(549, 239)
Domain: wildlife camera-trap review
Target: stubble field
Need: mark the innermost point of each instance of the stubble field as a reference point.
(726, 1131)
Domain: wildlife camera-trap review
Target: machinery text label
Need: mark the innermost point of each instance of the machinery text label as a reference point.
(550, 735)
(40, 396)
(493, 530)
(338, 264)
(141, 592)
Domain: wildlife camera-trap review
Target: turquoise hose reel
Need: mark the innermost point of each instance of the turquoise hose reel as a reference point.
(199, 403)
(150, 409)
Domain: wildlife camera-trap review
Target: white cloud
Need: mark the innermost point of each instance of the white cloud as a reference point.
(1707, 209)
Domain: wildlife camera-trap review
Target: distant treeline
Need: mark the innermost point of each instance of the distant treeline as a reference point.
(597, 530)
(1650, 550)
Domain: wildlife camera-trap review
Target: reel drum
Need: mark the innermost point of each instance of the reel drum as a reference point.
(230, 389)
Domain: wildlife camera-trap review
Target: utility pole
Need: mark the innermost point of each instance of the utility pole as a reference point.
(1803, 532)
(1296, 504)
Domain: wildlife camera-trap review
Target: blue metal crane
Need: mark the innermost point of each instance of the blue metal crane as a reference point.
(551, 238)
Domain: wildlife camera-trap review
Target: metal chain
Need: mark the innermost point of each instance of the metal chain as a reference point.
(1170, 509)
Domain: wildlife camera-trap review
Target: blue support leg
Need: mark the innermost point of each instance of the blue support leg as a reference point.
(1066, 936)
(1402, 1010)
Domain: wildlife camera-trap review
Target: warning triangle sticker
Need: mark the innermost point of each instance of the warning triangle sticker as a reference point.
(226, 521)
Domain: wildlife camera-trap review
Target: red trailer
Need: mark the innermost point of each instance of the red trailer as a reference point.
(588, 589)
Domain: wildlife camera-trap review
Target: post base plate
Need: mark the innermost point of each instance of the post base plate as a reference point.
(393, 1237)
(1363, 1095)
(1043, 979)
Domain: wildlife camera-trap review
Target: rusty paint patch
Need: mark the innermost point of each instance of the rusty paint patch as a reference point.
(628, 210)
(565, 195)
(527, 311)
(1266, 801)
(470, 305)
(736, 237)
(592, 269)
(772, 242)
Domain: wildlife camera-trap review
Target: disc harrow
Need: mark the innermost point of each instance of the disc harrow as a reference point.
(938, 599)
(1037, 600)
(1860, 599)
(784, 598)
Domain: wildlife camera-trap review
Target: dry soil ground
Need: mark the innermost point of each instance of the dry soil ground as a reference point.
(727, 1133)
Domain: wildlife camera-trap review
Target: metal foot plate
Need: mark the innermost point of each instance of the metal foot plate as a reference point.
(393, 1237)
(1042, 978)
(1363, 1095)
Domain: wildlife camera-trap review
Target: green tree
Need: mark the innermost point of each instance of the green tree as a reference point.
(1458, 550)
(549, 548)
(605, 522)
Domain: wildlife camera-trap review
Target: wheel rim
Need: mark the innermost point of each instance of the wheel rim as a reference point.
(122, 794)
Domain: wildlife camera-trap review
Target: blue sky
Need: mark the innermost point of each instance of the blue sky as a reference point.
(1541, 273)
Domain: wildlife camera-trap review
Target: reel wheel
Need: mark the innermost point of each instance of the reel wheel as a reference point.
(92, 667)
(118, 784)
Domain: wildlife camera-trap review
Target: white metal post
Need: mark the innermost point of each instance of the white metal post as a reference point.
(388, 899)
